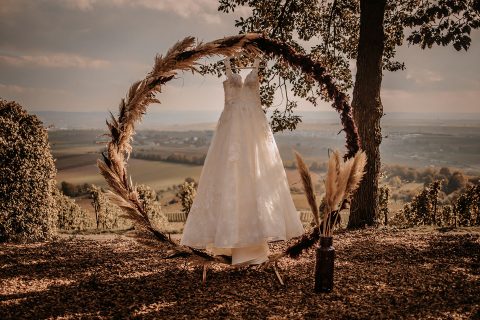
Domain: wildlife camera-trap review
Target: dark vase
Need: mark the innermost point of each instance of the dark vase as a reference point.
(324, 265)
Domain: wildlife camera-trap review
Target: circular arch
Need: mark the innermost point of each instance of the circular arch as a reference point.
(183, 56)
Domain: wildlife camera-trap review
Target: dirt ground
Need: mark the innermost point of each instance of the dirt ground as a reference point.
(389, 274)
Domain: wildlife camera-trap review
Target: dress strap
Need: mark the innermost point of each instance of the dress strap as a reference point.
(256, 63)
(228, 67)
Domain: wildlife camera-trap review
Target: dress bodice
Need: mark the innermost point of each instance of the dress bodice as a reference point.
(242, 93)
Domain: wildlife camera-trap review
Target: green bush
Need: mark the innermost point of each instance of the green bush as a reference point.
(152, 206)
(424, 209)
(452, 181)
(110, 216)
(466, 207)
(455, 182)
(70, 215)
(72, 190)
(383, 199)
(27, 177)
(187, 193)
(107, 214)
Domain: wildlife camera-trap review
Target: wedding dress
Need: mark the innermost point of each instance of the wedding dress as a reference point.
(243, 198)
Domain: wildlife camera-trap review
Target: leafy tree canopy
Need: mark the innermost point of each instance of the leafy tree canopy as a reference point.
(328, 30)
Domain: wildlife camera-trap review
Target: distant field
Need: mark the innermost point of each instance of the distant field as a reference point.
(74, 160)
(418, 144)
(156, 174)
(76, 153)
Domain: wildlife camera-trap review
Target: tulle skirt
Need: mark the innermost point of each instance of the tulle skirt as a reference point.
(243, 198)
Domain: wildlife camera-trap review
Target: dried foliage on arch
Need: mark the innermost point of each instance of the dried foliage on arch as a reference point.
(183, 56)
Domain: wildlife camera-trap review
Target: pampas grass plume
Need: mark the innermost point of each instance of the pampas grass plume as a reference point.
(308, 187)
(357, 172)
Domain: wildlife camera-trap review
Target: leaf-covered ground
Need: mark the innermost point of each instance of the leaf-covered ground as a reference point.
(379, 274)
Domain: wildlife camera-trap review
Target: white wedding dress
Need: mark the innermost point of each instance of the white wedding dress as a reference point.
(243, 198)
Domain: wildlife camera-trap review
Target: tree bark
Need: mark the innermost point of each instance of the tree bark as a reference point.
(368, 109)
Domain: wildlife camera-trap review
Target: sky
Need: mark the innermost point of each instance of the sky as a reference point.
(82, 55)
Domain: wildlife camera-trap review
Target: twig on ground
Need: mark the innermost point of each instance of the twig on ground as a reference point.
(204, 276)
(277, 273)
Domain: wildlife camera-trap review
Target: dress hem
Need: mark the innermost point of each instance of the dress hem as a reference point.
(212, 244)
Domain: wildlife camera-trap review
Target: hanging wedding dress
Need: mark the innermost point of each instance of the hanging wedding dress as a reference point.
(243, 198)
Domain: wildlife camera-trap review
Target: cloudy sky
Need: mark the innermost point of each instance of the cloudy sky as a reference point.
(82, 55)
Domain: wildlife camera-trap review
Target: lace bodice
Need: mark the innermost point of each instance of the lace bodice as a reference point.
(241, 93)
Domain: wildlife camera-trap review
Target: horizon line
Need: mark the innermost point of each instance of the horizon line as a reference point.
(302, 111)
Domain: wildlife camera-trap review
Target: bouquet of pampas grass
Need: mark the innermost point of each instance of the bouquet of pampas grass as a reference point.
(342, 179)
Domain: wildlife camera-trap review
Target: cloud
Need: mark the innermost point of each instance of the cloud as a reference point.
(424, 76)
(13, 88)
(205, 9)
(430, 101)
(43, 98)
(58, 60)
(9, 7)
(84, 5)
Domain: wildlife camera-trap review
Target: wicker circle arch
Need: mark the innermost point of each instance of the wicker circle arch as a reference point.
(183, 57)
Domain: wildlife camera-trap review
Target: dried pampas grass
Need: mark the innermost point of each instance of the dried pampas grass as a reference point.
(308, 187)
(357, 172)
(183, 56)
(342, 180)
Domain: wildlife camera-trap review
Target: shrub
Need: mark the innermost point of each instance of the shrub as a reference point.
(152, 206)
(407, 195)
(474, 180)
(187, 194)
(315, 166)
(27, 177)
(399, 219)
(466, 207)
(395, 196)
(72, 190)
(422, 210)
(456, 182)
(107, 214)
(70, 215)
(448, 217)
(395, 182)
(383, 198)
(445, 171)
(67, 188)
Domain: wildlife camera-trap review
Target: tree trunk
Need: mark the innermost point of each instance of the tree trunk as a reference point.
(368, 109)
